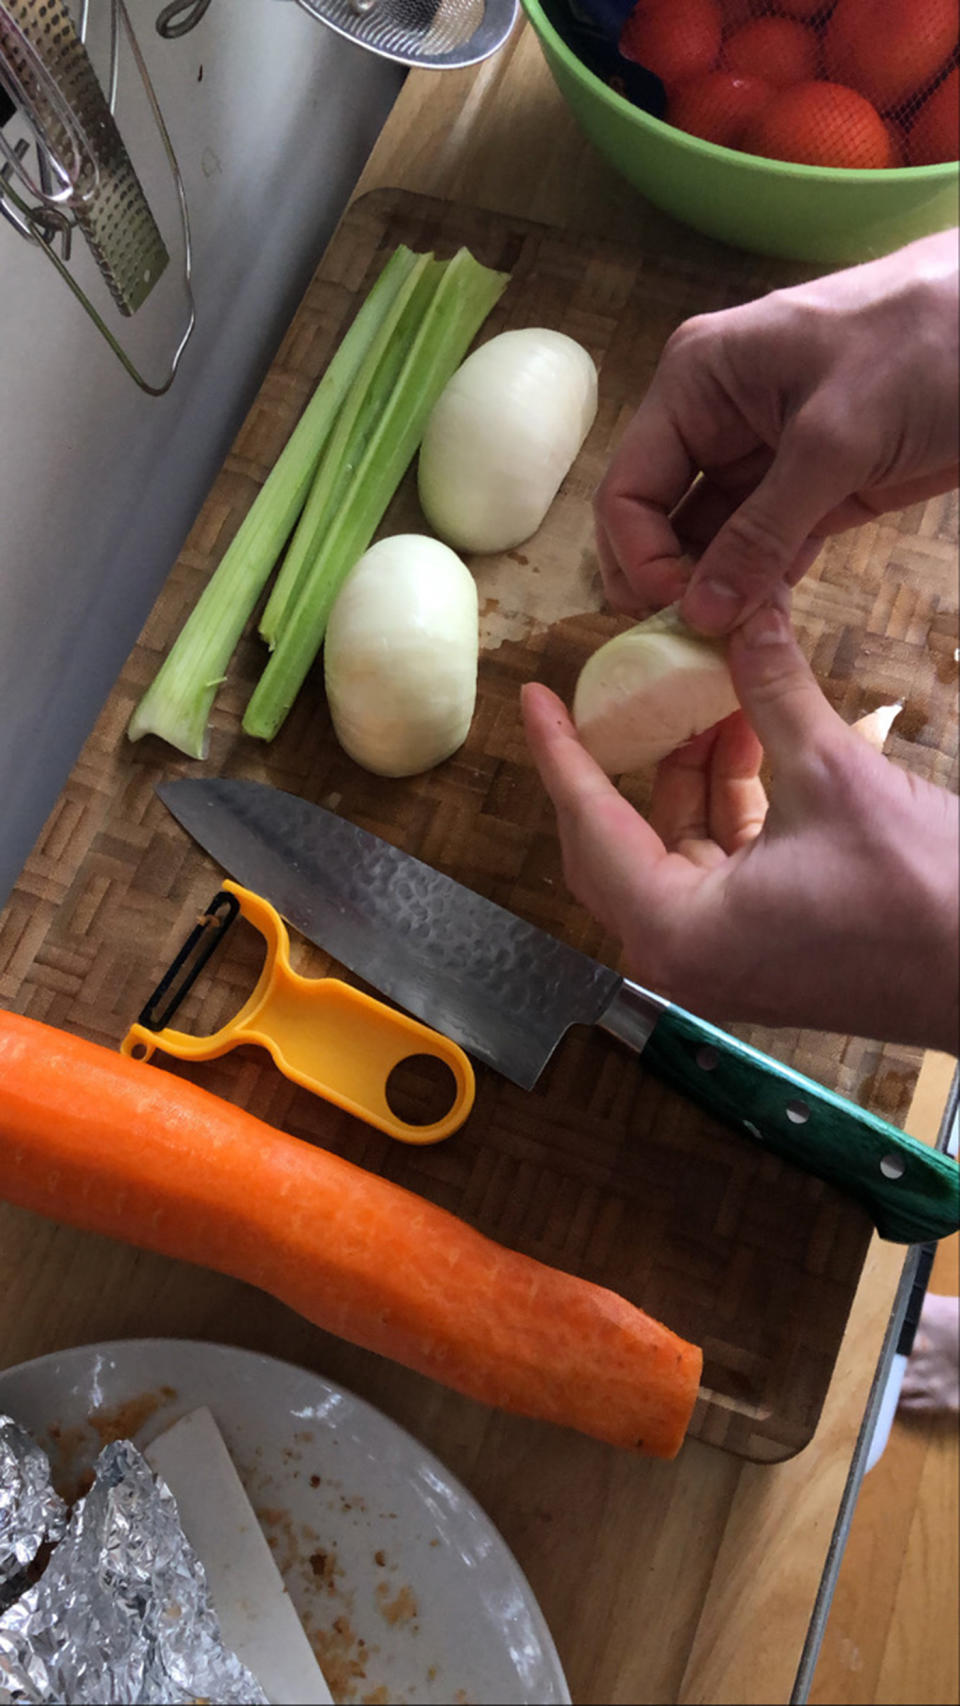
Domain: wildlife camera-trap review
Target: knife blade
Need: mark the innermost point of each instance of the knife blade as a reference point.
(508, 992)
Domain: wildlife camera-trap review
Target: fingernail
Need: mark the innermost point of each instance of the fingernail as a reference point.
(767, 626)
(713, 606)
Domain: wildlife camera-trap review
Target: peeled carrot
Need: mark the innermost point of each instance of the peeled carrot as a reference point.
(116, 1146)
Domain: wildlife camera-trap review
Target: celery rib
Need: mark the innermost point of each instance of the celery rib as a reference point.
(388, 425)
(351, 430)
(177, 704)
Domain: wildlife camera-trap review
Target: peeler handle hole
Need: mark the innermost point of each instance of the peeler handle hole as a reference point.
(421, 1089)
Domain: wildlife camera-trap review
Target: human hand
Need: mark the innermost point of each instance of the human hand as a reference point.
(835, 909)
(931, 1381)
(806, 412)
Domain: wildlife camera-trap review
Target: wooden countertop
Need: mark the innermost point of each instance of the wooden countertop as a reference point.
(687, 1582)
(498, 136)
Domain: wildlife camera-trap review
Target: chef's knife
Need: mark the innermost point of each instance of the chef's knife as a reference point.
(507, 992)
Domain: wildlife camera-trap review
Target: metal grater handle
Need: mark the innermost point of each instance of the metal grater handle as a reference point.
(66, 149)
(87, 180)
(114, 217)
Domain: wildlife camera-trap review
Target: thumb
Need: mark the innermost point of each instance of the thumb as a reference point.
(770, 539)
(778, 689)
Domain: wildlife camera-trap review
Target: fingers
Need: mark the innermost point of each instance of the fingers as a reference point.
(607, 846)
(708, 800)
(643, 562)
(738, 800)
(680, 801)
(692, 472)
(907, 492)
(572, 779)
(673, 433)
(931, 1382)
(776, 527)
(712, 499)
(620, 592)
(779, 693)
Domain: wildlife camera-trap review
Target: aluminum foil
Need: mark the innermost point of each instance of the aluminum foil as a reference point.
(30, 1511)
(121, 1613)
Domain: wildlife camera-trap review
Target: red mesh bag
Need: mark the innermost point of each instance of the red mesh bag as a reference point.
(848, 83)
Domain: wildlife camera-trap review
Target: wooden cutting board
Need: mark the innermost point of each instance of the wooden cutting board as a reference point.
(600, 1169)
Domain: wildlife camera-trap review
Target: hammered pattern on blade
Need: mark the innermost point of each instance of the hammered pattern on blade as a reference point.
(501, 988)
(450, 931)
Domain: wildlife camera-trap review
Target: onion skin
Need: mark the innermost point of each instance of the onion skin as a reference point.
(503, 434)
(876, 725)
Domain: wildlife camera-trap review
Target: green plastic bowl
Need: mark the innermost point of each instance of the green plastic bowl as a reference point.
(807, 213)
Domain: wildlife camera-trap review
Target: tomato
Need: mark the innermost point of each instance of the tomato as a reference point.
(778, 49)
(898, 142)
(800, 8)
(820, 124)
(675, 39)
(737, 12)
(935, 132)
(717, 106)
(890, 49)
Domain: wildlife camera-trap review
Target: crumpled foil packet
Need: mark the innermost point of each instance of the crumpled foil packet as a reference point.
(121, 1613)
(30, 1511)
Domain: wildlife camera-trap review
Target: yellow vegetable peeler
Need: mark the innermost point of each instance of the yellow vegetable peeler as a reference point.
(321, 1032)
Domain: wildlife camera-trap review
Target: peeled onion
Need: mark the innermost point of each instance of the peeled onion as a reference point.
(503, 433)
(650, 690)
(400, 656)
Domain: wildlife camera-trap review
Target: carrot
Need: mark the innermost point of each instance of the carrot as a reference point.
(116, 1146)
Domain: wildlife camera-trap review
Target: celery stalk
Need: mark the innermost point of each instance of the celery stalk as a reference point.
(178, 701)
(374, 380)
(388, 430)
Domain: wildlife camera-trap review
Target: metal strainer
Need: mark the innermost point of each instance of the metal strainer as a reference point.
(441, 35)
(437, 34)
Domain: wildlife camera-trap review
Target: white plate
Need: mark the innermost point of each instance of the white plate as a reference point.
(406, 1589)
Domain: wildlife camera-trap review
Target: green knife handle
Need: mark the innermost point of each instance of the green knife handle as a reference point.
(911, 1191)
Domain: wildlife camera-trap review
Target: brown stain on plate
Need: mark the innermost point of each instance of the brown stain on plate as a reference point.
(73, 1450)
(124, 1420)
(402, 1609)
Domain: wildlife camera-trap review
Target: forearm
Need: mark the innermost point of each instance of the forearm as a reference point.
(937, 993)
